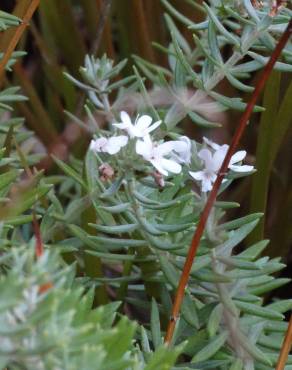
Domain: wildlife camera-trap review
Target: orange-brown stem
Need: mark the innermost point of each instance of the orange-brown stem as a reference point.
(39, 249)
(213, 194)
(17, 35)
(286, 346)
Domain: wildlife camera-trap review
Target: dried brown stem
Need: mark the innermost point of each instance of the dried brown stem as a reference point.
(213, 194)
(17, 35)
(286, 346)
(39, 247)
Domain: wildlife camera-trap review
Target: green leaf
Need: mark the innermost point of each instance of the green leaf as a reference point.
(144, 341)
(282, 306)
(19, 220)
(210, 350)
(252, 252)
(256, 310)
(69, 171)
(7, 179)
(218, 24)
(189, 311)
(201, 121)
(170, 272)
(172, 10)
(119, 208)
(115, 243)
(235, 237)
(155, 325)
(215, 320)
(267, 287)
(236, 365)
(233, 103)
(240, 221)
(163, 358)
(119, 229)
(253, 350)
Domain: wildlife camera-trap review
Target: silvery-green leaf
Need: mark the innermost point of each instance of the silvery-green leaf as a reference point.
(214, 320)
(155, 325)
(119, 208)
(259, 311)
(214, 346)
(116, 229)
(189, 311)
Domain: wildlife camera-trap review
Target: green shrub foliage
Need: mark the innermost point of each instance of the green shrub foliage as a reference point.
(117, 224)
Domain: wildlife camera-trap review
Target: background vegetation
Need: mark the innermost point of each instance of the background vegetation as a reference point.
(60, 34)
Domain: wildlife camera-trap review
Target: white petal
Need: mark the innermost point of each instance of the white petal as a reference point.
(165, 148)
(186, 140)
(144, 148)
(92, 145)
(183, 148)
(238, 157)
(211, 143)
(170, 165)
(99, 144)
(121, 140)
(206, 185)
(121, 126)
(125, 118)
(143, 122)
(180, 146)
(156, 163)
(212, 176)
(198, 175)
(111, 149)
(115, 143)
(154, 126)
(206, 156)
(218, 157)
(244, 168)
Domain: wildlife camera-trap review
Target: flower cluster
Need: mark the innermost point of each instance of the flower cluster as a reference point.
(169, 156)
(164, 156)
(212, 158)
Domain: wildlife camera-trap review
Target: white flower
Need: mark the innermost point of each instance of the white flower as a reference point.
(182, 150)
(213, 161)
(211, 143)
(110, 145)
(140, 128)
(155, 153)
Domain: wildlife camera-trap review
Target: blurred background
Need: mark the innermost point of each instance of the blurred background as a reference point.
(64, 31)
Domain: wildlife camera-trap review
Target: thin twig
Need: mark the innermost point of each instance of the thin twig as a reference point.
(17, 35)
(39, 246)
(104, 13)
(286, 346)
(213, 194)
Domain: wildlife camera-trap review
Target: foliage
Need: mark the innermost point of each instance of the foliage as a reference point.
(116, 231)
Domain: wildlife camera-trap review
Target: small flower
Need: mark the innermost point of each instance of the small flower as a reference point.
(182, 150)
(106, 172)
(110, 145)
(158, 177)
(155, 153)
(140, 128)
(213, 162)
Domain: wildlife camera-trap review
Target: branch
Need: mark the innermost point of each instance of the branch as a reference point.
(17, 35)
(213, 194)
(286, 346)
